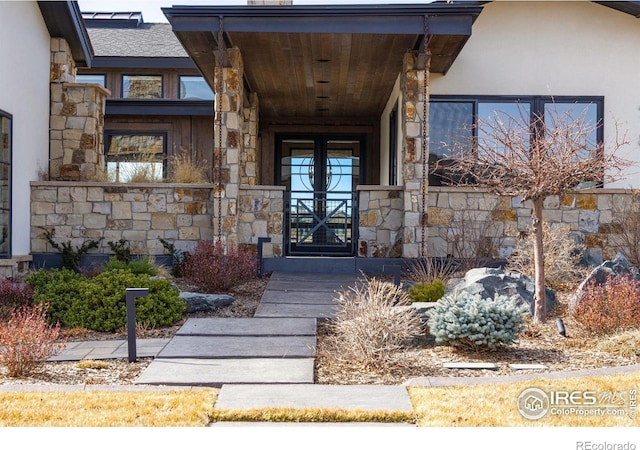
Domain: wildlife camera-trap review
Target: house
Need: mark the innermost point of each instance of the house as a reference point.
(317, 144)
(159, 102)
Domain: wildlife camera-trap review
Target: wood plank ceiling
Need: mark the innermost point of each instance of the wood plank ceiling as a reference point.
(306, 75)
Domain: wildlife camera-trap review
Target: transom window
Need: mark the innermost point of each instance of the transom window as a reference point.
(5, 184)
(91, 78)
(453, 120)
(135, 157)
(195, 87)
(141, 86)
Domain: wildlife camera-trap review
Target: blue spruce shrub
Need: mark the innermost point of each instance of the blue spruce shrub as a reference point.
(469, 321)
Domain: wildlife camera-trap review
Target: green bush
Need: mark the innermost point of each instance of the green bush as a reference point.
(469, 321)
(99, 303)
(60, 288)
(427, 292)
(137, 266)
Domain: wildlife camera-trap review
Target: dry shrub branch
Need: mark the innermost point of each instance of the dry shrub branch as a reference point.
(373, 321)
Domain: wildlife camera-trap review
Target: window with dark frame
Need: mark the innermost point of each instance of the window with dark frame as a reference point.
(453, 120)
(393, 147)
(194, 87)
(135, 156)
(5, 183)
(142, 86)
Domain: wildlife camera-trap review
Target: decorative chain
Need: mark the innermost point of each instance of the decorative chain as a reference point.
(218, 156)
(425, 143)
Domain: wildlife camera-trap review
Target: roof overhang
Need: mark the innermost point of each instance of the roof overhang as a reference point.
(323, 60)
(64, 20)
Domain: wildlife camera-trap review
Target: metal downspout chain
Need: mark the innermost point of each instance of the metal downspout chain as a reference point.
(218, 155)
(425, 144)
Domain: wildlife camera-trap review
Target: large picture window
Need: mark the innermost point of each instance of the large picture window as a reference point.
(5, 184)
(141, 86)
(91, 79)
(135, 157)
(453, 121)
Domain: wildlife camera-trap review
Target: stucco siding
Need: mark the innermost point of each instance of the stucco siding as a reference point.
(24, 93)
(554, 49)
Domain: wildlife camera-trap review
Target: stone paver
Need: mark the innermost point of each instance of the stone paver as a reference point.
(527, 366)
(216, 372)
(211, 347)
(298, 297)
(75, 351)
(359, 397)
(295, 310)
(248, 327)
(469, 365)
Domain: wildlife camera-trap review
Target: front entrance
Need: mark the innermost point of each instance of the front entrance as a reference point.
(321, 173)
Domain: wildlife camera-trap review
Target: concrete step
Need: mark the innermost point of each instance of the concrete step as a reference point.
(216, 372)
(295, 310)
(351, 398)
(217, 347)
(218, 326)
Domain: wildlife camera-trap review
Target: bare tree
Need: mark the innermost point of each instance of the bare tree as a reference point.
(534, 159)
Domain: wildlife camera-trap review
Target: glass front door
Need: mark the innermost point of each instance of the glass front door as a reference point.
(321, 174)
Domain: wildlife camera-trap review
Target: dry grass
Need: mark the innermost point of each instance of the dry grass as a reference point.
(369, 326)
(185, 170)
(626, 344)
(562, 257)
(309, 415)
(486, 406)
(107, 409)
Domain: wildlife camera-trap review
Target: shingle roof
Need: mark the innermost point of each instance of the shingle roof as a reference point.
(146, 40)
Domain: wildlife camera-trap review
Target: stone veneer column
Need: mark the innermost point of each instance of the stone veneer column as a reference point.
(412, 85)
(76, 120)
(249, 153)
(232, 152)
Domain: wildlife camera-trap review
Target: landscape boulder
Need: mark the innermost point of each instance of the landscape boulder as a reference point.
(487, 282)
(616, 266)
(205, 302)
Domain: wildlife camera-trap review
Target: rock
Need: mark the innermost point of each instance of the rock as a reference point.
(616, 266)
(487, 282)
(205, 302)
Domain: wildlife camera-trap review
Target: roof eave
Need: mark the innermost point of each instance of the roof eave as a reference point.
(64, 19)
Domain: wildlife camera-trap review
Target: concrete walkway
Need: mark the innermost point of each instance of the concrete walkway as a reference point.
(266, 361)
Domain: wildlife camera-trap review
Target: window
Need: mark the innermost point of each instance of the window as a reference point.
(91, 79)
(135, 157)
(195, 87)
(393, 147)
(141, 86)
(453, 120)
(5, 184)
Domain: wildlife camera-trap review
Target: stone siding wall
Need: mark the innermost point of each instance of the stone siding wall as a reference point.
(593, 216)
(380, 213)
(76, 121)
(142, 213)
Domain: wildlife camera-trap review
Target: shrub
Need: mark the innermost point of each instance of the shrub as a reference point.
(99, 303)
(71, 256)
(13, 294)
(562, 257)
(427, 270)
(211, 269)
(471, 322)
(121, 250)
(59, 288)
(609, 307)
(185, 170)
(427, 292)
(27, 340)
(136, 266)
(177, 257)
(372, 322)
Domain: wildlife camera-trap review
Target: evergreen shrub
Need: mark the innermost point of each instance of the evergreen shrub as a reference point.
(472, 322)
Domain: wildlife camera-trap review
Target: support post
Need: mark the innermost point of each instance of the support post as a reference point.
(132, 294)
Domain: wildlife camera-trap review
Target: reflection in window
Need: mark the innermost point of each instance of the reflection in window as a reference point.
(454, 122)
(5, 185)
(195, 87)
(135, 158)
(141, 86)
(91, 79)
